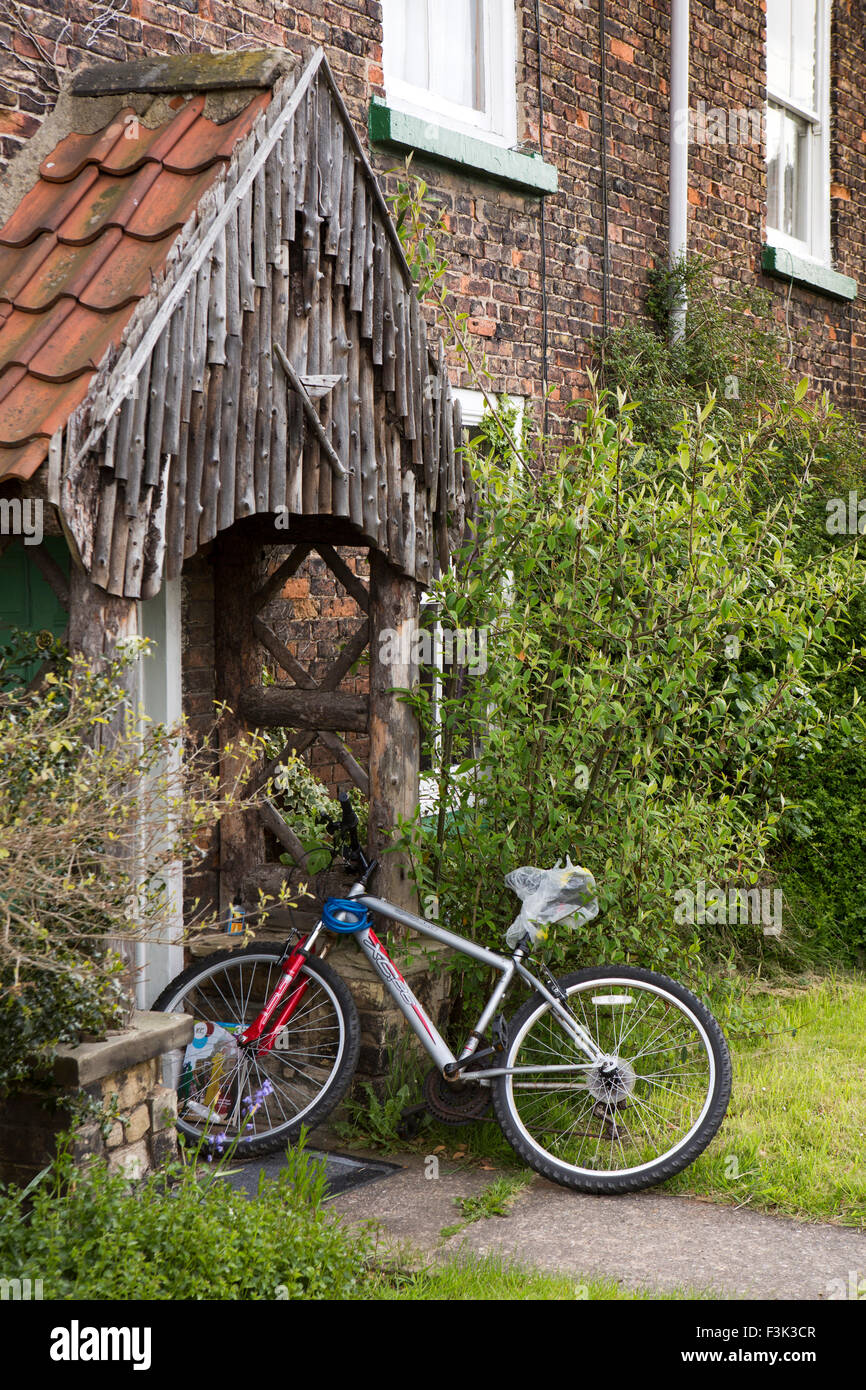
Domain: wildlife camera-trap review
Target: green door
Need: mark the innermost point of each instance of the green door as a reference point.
(27, 600)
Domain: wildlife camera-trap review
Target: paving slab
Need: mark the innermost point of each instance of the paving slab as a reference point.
(651, 1240)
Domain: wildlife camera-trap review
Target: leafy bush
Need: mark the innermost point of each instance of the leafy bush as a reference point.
(734, 347)
(94, 809)
(616, 720)
(180, 1234)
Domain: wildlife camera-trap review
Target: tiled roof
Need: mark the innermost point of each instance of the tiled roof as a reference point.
(83, 247)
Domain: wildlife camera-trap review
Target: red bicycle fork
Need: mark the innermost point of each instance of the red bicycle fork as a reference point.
(278, 1009)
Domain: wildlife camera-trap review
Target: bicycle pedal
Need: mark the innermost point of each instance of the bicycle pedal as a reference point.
(499, 1029)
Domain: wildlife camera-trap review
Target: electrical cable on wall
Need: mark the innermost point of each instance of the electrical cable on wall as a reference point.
(543, 230)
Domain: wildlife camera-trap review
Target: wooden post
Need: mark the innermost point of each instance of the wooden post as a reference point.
(238, 666)
(395, 744)
(98, 623)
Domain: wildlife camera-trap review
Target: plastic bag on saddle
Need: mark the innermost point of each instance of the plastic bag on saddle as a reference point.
(565, 894)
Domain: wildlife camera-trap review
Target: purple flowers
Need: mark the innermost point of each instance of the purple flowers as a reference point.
(259, 1097)
(216, 1146)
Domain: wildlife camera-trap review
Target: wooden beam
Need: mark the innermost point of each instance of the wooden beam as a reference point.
(283, 657)
(350, 582)
(281, 574)
(344, 755)
(283, 832)
(282, 707)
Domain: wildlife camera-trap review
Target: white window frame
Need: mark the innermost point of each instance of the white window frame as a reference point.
(473, 406)
(497, 124)
(817, 246)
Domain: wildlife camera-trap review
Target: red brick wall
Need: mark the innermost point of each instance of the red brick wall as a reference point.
(495, 276)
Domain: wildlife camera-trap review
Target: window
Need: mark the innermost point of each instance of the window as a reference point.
(453, 60)
(798, 127)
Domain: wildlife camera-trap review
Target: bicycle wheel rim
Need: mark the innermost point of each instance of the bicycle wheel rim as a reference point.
(253, 1096)
(640, 1128)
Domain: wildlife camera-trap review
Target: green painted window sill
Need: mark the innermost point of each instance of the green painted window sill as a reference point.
(776, 260)
(398, 130)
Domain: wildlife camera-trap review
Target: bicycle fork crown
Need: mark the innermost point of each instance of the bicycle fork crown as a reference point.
(343, 915)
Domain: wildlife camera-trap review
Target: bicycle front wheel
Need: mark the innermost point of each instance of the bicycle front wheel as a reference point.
(228, 1093)
(639, 1113)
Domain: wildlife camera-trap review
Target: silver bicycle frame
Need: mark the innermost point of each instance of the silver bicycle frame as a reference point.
(414, 1013)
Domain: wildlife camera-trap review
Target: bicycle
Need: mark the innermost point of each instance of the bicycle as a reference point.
(605, 1080)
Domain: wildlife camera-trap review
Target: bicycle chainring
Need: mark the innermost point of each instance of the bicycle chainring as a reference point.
(454, 1102)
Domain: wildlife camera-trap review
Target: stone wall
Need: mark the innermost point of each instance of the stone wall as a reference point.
(125, 1115)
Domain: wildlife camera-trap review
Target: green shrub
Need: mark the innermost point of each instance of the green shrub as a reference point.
(658, 644)
(181, 1234)
(95, 807)
(734, 347)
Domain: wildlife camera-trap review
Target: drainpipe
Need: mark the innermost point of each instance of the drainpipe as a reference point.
(678, 206)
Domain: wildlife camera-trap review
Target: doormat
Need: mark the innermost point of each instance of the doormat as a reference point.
(342, 1171)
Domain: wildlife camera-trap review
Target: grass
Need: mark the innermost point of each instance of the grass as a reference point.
(496, 1199)
(491, 1279)
(794, 1138)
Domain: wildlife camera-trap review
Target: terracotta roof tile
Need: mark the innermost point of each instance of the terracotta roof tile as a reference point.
(62, 270)
(44, 208)
(35, 407)
(24, 334)
(23, 460)
(127, 273)
(83, 247)
(120, 147)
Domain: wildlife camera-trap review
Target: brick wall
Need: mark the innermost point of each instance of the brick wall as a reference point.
(494, 253)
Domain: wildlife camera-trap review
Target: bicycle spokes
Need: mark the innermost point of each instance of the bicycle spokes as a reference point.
(230, 1088)
(636, 1103)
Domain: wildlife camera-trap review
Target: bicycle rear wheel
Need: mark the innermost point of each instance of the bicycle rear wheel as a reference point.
(637, 1116)
(229, 1093)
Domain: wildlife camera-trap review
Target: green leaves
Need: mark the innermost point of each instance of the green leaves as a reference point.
(647, 673)
(94, 813)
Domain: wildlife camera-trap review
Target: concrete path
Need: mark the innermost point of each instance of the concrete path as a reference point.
(650, 1240)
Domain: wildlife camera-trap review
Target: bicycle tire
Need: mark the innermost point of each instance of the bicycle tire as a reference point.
(586, 1176)
(187, 993)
